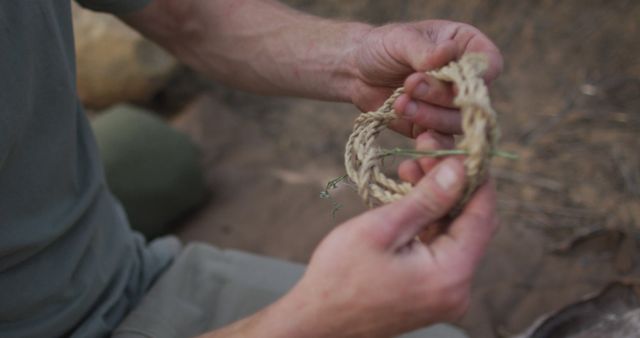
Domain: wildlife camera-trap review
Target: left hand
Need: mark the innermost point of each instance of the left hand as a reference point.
(396, 53)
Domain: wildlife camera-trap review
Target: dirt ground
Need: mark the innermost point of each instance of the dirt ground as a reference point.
(569, 105)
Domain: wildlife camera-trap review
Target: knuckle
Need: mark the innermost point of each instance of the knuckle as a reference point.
(466, 29)
(432, 201)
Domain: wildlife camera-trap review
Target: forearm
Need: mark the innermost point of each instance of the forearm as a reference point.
(256, 45)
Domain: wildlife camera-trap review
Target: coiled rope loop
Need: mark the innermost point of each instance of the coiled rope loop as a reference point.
(480, 134)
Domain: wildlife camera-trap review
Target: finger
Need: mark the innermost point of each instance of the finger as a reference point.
(431, 233)
(428, 116)
(406, 128)
(446, 141)
(421, 87)
(396, 224)
(471, 40)
(430, 141)
(416, 130)
(470, 233)
(419, 52)
(476, 224)
(444, 52)
(481, 44)
(410, 171)
(413, 170)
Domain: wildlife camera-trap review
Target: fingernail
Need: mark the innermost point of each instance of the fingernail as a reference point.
(411, 109)
(446, 176)
(427, 142)
(421, 90)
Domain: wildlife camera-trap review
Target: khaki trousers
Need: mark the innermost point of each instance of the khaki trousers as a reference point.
(206, 288)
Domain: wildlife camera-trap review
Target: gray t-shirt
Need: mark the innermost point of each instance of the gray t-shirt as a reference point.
(69, 263)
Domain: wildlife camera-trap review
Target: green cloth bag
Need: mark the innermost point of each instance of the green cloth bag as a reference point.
(150, 167)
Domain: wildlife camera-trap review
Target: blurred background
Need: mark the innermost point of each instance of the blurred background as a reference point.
(568, 104)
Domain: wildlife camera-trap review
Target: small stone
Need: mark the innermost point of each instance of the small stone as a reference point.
(589, 89)
(114, 62)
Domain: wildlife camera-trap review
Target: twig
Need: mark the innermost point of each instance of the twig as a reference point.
(630, 177)
(440, 153)
(325, 194)
(532, 135)
(549, 210)
(537, 181)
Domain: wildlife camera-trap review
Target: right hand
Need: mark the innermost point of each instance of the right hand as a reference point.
(371, 278)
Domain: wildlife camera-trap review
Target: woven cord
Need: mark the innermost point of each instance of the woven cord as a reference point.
(480, 135)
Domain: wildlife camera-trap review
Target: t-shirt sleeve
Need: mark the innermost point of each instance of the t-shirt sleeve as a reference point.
(117, 7)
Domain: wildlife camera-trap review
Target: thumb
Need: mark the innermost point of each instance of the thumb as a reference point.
(396, 224)
(420, 52)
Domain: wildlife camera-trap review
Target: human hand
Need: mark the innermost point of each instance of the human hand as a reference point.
(371, 278)
(390, 55)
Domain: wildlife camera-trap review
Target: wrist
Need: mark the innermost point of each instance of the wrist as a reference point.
(347, 73)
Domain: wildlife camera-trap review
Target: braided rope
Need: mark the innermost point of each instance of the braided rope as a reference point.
(478, 125)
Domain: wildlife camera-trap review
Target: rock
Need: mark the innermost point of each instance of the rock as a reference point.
(613, 313)
(114, 62)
